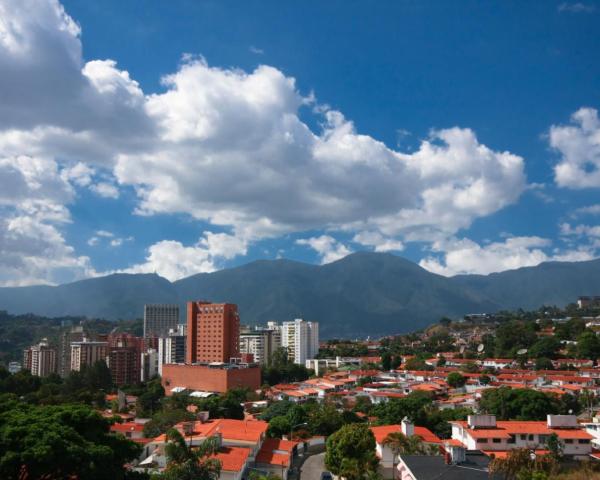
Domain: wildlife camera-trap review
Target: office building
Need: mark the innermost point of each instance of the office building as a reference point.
(213, 332)
(171, 349)
(87, 352)
(40, 359)
(159, 319)
(70, 334)
(124, 364)
(260, 342)
(301, 338)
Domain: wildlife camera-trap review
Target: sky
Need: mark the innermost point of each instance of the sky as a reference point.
(181, 137)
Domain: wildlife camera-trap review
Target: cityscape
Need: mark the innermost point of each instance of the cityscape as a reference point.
(317, 240)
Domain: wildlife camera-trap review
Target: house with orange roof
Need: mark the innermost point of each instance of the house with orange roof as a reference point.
(275, 456)
(131, 430)
(483, 432)
(385, 453)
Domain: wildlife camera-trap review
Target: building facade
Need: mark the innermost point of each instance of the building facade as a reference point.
(87, 352)
(301, 339)
(206, 378)
(171, 349)
(40, 359)
(213, 331)
(260, 343)
(70, 334)
(124, 364)
(159, 319)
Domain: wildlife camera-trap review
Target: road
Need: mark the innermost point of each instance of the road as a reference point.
(313, 466)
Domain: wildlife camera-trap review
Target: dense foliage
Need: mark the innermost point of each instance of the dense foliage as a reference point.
(351, 452)
(525, 404)
(283, 370)
(59, 441)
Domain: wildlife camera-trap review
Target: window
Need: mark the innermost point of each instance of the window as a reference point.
(568, 440)
(523, 436)
(483, 440)
(584, 441)
(496, 440)
(531, 438)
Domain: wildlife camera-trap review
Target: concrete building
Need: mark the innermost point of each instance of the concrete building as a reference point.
(159, 319)
(171, 349)
(213, 332)
(149, 364)
(69, 335)
(301, 338)
(124, 364)
(260, 342)
(14, 367)
(40, 359)
(87, 352)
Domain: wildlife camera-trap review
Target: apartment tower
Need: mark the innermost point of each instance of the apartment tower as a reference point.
(213, 332)
(301, 338)
(40, 359)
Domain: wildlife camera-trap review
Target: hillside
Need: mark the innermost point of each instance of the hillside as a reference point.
(362, 294)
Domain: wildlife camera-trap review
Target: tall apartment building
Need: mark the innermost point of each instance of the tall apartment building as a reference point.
(124, 364)
(159, 319)
(40, 359)
(149, 364)
(69, 335)
(213, 332)
(301, 338)
(260, 342)
(171, 349)
(87, 352)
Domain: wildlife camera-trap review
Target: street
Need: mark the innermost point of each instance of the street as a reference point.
(313, 466)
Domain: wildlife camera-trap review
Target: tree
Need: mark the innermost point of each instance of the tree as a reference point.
(60, 441)
(187, 463)
(485, 379)
(547, 347)
(403, 444)
(588, 345)
(555, 447)
(351, 452)
(456, 380)
(279, 426)
(519, 464)
(519, 403)
(325, 420)
(386, 361)
(543, 363)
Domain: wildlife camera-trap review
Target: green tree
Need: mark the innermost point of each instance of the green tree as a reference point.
(547, 347)
(186, 463)
(279, 426)
(325, 420)
(543, 363)
(555, 447)
(351, 452)
(407, 445)
(519, 403)
(588, 345)
(386, 361)
(456, 380)
(61, 441)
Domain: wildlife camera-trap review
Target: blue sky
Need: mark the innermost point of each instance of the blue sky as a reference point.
(185, 136)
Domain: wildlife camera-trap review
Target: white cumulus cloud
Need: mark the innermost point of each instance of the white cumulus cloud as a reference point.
(328, 248)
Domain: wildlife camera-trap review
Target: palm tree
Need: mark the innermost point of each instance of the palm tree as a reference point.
(187, 463)
(400, 443)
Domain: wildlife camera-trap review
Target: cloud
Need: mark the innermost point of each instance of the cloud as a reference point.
(464, 256)
(256, 50)
(226, 147)
(173, 260)
(378, 242)
(110, 239)
(576, 7)
(579, 147)
(105, 189)
(328, 248)
(588, 210)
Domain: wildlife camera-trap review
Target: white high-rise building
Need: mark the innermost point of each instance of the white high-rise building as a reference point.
(301, 338)
(171, 349)
(87, 352)
(159, 319)
(40, 359)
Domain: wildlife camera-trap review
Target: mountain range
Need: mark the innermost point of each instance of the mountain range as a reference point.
(362, 294)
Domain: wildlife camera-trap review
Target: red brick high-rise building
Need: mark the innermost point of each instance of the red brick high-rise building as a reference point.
(213, 332)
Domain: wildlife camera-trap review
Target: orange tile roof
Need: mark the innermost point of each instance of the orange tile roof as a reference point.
(241, 430)
(233, 459)
(504, 453)
(127, 427)
(513, 427)
(383, 431)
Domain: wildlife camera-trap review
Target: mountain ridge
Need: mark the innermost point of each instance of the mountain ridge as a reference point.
(364, 293)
